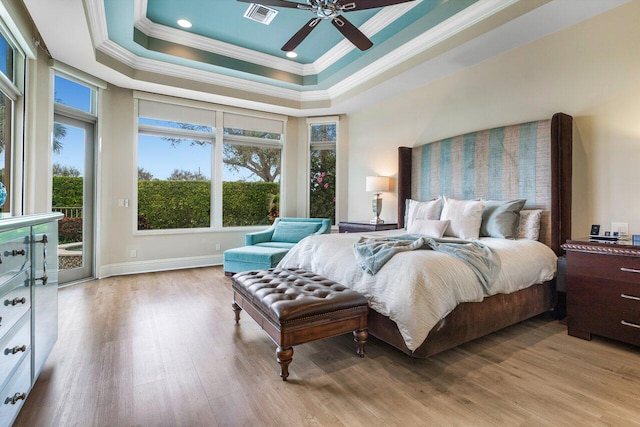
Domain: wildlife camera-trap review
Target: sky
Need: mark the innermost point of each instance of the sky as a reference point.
(155, 154)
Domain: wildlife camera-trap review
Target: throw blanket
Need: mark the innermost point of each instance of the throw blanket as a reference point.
(373, 252)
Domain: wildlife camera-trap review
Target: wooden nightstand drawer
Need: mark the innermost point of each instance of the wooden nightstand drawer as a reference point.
(605, 321)
(584, 290)
(364, 227)
(609, 267)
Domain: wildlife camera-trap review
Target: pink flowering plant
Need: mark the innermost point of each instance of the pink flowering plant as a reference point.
(323, 184)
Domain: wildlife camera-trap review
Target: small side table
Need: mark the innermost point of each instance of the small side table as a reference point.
(364, 226)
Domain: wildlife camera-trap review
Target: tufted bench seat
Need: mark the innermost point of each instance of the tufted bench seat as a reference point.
(296, 306)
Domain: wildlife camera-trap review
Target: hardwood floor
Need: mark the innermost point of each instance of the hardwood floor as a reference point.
(162, 349)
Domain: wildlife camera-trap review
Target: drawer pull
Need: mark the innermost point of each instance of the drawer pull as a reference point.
(15, 349)
(18, 396)
(15, 301)
(633, 325)
(629, 270)
(20, 252)
(630, 297)
(44, 279)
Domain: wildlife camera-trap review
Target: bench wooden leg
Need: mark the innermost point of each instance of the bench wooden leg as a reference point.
(284, 356)
(236, 310)
(360, 337)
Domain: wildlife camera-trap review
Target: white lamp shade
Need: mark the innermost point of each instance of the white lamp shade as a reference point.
(377, 184)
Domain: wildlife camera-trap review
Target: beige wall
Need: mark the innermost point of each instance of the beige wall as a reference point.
(590, 71)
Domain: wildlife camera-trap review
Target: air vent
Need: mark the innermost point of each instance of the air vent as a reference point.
(260, 13)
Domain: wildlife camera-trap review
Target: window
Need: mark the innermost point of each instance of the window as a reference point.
(12, 62)
(252, 158)
(72, 94)
(191, 175)
(323, 138)
(174, 166)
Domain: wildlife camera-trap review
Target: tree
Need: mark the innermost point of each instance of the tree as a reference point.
(144, 175)
(184, 175)
(59, 132)
(323, 184)
(61, 170)
(262, 162)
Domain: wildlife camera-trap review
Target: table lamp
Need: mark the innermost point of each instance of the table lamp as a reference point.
(377, 184)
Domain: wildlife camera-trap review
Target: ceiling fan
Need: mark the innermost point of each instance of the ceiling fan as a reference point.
(329, 9)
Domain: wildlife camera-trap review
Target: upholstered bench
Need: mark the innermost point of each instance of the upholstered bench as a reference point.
(252, 258)
(296, 306)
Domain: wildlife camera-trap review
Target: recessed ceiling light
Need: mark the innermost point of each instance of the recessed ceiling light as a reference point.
(184, 23)
(292, 54)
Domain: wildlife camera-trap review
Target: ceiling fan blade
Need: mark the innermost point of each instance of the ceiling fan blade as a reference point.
(350, 5)
(351, 32)
(276, 3)
(300, 35)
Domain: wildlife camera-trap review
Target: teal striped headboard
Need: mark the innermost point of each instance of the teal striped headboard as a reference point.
(519, 161)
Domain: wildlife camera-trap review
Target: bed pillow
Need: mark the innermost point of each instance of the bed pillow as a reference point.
(422, 210)
(465, 217)
(529, 227)
(500, 219)
(428, 227)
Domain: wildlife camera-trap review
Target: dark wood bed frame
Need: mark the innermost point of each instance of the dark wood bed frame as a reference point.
(472, 320)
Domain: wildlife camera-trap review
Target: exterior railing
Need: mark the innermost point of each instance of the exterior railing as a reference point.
(68, 211)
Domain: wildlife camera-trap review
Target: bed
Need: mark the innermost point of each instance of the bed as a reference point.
(529, 160)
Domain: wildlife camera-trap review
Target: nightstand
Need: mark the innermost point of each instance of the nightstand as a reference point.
(603, 290)
(364, 226)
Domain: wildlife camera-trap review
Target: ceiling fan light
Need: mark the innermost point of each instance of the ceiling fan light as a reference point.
(291, 54)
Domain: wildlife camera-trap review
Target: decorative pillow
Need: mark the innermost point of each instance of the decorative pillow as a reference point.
(465, 217)
(428, 227)
(293, 232)
(500, 219)
(422, 210)
(529, 227)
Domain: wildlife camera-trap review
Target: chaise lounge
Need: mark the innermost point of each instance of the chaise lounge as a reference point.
(264, 249)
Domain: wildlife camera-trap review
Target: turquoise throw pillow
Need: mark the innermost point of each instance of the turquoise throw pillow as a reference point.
(500, 219)
(293, 232)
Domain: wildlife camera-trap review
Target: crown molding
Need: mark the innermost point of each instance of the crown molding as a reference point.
(423, 42)
(428, 39)
(377, 23)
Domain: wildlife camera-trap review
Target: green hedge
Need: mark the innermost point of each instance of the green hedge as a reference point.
(186, 204)
(69, 230)
(67, 191)
(173, 204)
(247, 203)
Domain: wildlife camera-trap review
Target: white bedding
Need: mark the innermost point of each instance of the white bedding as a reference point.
(414, 297)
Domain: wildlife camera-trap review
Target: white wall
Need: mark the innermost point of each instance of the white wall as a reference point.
(590, 71)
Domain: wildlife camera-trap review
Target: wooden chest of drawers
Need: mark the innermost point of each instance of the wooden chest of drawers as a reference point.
(603, 290)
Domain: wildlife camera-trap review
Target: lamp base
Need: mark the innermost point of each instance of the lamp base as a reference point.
(376, 205)
(376, 221)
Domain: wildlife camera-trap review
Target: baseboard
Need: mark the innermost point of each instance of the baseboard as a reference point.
(150, 266)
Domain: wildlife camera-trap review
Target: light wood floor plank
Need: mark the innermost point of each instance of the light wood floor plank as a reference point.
(162, 349)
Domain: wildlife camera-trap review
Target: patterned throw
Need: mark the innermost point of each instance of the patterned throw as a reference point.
(505, 163)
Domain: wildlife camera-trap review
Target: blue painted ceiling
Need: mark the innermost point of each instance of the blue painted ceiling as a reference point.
(223, 20)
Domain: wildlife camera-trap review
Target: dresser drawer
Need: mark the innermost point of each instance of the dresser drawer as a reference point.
(14, 252)
(607, 322)
(15, 300)
(13, 395)
(586, 291)
(611, 267)
(13, 347)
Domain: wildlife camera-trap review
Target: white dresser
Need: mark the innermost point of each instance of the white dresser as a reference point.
(28, 305)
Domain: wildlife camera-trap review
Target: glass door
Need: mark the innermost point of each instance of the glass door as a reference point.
(73, 189)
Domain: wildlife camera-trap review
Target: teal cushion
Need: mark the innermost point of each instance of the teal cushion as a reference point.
(255, 254)
(293, 232)
(500, 219)
(283, 245)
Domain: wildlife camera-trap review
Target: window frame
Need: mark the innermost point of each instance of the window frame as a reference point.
(217, 113)
(327, 120)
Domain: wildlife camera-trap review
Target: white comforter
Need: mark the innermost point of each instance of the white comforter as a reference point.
(416, 289)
